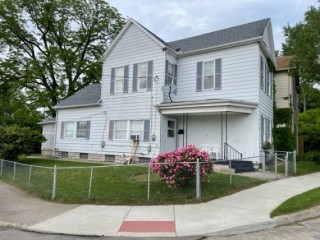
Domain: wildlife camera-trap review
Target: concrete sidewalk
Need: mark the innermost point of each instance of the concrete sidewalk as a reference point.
(244, 211)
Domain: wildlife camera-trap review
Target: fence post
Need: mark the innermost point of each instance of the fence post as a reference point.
(276, 164)
(29, 179)
(198, 191)
(90, 181)
(264, 165)
(230, 174)
(295, 161)
(286, 164)
(54, 182)
(14, 171)
(148, 187)
(1, 168)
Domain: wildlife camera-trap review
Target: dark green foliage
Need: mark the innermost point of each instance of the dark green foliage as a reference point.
(311, 156)
(51, 48)
(283, 116)
(302, 41)
(283, 139)
(309, 129)
(15, 140)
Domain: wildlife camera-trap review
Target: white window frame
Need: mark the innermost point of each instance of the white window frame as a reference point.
(84, 130)
(119, 79)
(170, 74)
(170, 129)
(69, 133)
(115, 130)
(137, 131)
(142, 76)
(207, 76)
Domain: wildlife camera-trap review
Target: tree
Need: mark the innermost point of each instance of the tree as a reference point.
(15, 140)
(309, 129)
(52, 47)
(303, 41)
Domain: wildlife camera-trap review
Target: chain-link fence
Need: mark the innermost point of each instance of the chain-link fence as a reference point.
(137, 183)
(279, 162)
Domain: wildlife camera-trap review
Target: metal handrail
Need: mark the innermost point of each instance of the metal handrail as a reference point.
(234, 154)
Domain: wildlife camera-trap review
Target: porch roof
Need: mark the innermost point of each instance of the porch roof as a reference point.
(207, 106)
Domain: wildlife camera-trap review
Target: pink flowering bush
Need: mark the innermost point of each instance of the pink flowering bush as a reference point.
(178, 168)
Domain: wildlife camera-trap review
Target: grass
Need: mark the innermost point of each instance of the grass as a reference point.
(298, 203)
(115, 184)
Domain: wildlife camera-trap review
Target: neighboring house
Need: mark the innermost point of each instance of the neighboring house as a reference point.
(48, 131)
(287, 90)
(208, 89)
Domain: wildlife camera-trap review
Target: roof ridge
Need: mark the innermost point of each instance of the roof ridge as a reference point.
(223, 29)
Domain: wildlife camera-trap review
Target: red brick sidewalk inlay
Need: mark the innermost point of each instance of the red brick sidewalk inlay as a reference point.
(148, 226)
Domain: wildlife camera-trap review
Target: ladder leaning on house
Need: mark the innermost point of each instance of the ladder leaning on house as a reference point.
(133, 151)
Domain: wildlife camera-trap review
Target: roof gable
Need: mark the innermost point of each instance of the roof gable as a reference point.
(90, 95)
(154, 37)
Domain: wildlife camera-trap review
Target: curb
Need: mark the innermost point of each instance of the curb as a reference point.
(298, 216)
(5, 224)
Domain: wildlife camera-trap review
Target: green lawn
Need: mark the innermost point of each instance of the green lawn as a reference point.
(298, 203)
(115, 184)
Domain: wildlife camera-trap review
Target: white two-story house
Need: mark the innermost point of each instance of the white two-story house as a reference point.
(211, 89)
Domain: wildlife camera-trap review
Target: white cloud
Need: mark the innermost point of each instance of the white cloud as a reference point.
(176, 19)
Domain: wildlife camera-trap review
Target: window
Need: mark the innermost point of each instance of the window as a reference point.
(119, 79)
(171, 128)
(208, 75)
(81, 129)
(136, 127)
(84, 155)
(171, 74)
(142, 75)
(120, 129)
(265, 77)
(109, 158)
(69, 130)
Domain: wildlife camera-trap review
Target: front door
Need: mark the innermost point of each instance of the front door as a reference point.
(170, 135)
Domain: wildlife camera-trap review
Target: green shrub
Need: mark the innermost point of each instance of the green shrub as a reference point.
(283, 139)
(312, 156)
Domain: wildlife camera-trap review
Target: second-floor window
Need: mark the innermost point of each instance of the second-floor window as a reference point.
(209, 75)
(119, 79)
(142, 75)
(171, 74)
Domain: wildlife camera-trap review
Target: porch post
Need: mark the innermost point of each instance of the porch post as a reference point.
(221, 147)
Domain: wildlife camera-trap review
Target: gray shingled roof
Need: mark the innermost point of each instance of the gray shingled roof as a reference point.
(221, 37)
(89, 95)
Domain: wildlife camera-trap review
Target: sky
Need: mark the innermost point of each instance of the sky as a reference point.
(178, 19)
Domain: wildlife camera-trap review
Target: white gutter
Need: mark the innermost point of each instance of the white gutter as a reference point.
(79, 106)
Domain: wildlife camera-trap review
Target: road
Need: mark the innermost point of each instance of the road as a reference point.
(306, 230)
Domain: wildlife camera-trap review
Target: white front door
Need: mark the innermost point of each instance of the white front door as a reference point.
(170, 135)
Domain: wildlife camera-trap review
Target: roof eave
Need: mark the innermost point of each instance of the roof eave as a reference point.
(98, 104)
(222, 46)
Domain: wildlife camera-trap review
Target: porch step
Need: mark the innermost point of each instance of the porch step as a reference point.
(242, 166)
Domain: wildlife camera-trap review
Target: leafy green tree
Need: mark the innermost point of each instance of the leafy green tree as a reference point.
(15, 140)
(309, 97)
(52, 47)
(303, 41)
(309, 129)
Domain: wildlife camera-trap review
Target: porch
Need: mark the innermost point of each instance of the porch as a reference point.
(210, 123)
